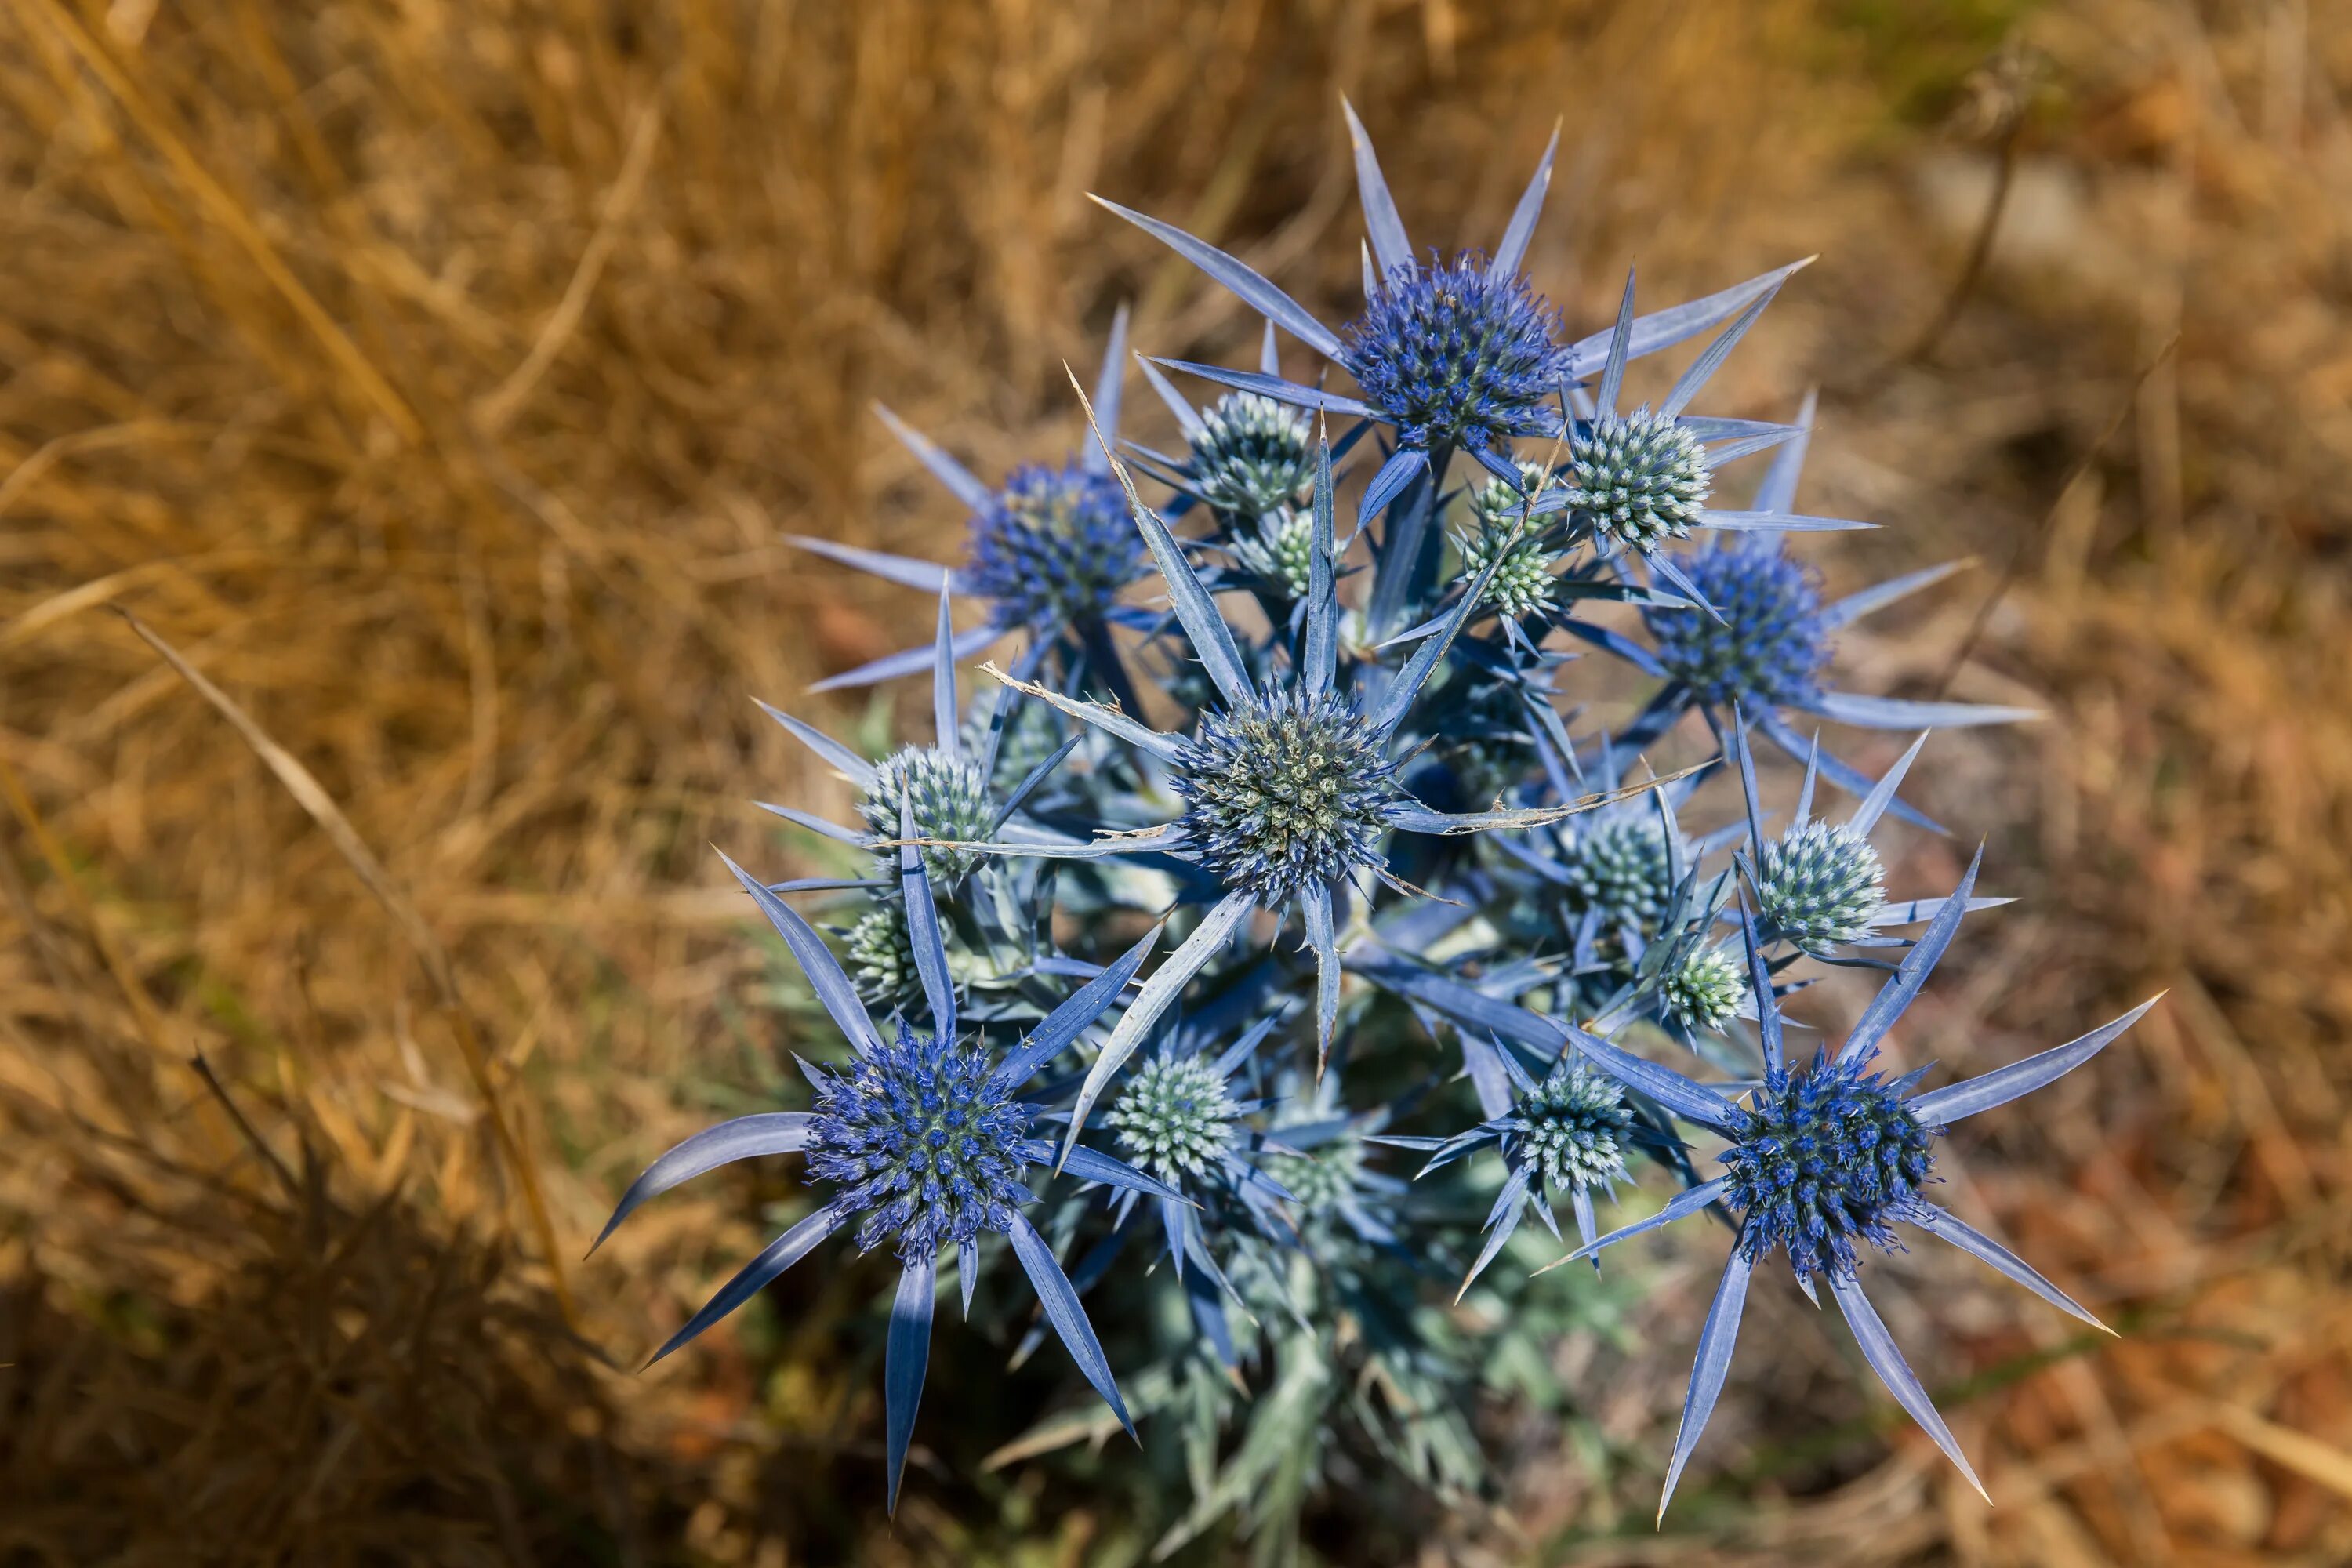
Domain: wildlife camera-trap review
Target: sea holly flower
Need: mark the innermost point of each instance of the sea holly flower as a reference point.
(943, 789)
(1048, 554)
(1822, 886)
(1448, 354)
(1824, 1162)
(924, 1141)
(1562, 1137)
(1702, 993)
(1763, 641)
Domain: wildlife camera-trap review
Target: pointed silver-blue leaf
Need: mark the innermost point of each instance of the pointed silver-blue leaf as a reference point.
(1978, 1245)
(1897, 993)
(1108, 383)
(857, 769)
(779, 1255)
(1511, 254)
(1068, 1021)
(1894, 713)
(1689, 1200)
(1779, 490)
(928, 575)
(1708, 1369)
(910, 661)
(1381, 223)
(1063, 1310)
(961, 480)
(744, 1138)
(1942, 1107)
(1255, 290)
(816, 961)
(924, 939)
(904, 1363)
(1878, 1347)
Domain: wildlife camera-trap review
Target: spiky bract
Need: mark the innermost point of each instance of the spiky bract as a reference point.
(1253, 456)
(1284, 791)
(1703, 991)
(1770, 646)
(1822, 1159)
(1450, 354)
(1819, 884)
(1176, 1117)
(1055, 548)
(1635, 479)
(1575, 1123)
(920, 1141)
(948, 797)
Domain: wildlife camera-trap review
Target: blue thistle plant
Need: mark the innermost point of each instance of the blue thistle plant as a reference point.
(924, 1142)
(1820, 1159)
(1403, 781)
(1048, 554)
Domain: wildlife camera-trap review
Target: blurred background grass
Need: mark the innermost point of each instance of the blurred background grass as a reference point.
(436, 380)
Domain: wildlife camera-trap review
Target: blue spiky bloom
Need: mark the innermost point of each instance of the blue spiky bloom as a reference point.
(920, 1142)
(1772, 643)
(945, 795)
(1054, 548)
(1451, 354)
(1636, 479)
(1176, 1117)
(1285, 790)
(1824, 1159)
(1821, 884)
(1251, 456)
(1619, 868)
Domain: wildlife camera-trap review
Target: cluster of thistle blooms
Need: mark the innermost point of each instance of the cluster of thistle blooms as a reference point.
(1413, 911)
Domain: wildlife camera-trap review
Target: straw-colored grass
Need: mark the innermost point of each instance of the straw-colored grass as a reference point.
(433, 383)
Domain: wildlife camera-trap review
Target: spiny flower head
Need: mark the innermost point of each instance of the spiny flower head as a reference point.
(1769, 648)
(1322, 1179)
(1176, 1117)
(1449, 353)
(1253, 456)
(1703, 991)
(1280, 549)
(919, 1141)
(882, 960)
(1522, 584)
(1055, 548)
(947, 797)
(1822, 1159)
(1635, 479)
(1285, 790)
(1819, 884)
(1574, 1125)
(1619, 867)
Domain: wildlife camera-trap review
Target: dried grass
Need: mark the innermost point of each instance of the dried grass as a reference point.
(437, 381)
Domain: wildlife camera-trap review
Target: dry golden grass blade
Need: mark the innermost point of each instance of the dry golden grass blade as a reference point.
(230, 214)
(321, 808)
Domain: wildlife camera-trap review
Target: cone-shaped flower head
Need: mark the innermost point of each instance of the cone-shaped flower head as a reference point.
(1252, 455)
(1284, 791)
(1324, 1180)
(1769, 648)
(947, 797)
(1175, 1117)
(1279, 549)
(1820, 883)
(1824, 1159)
(1635, 479)
(920, 1142)
(1054, 548)
(1703, 991)
(1449, 353)
(1522, 583)
(882, 961)
(1619, 867)
(1575, 1123)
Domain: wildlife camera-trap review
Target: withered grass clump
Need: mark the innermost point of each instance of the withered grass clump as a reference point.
(439, 382)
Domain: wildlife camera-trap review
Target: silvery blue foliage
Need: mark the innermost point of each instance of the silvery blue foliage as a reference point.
(1364, 804)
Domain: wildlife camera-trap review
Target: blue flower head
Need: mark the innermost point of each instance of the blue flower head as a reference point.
(1771, 642)
(1285, 791)
(922, 1141)
(1824, 1159)
(1456, 353)
(1054, 548)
